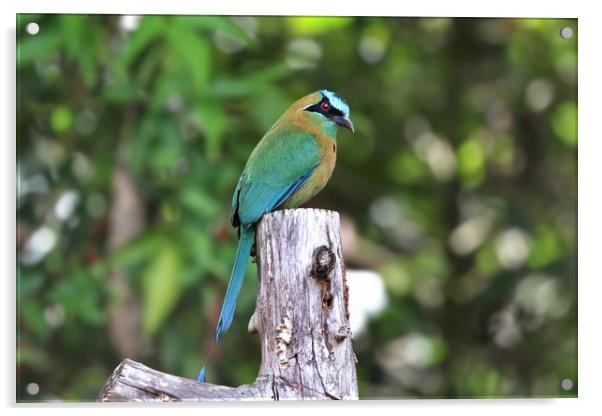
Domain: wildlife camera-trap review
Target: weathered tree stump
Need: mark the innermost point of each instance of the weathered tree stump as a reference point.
(301, 316)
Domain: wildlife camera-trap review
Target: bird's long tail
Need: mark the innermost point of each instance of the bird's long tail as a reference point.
(247, 237)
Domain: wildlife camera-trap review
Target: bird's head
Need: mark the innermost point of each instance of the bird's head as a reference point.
(326, 109)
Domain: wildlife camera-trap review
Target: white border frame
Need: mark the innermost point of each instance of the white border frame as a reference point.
(589, 211)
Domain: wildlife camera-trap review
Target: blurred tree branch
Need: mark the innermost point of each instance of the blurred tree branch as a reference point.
(127, 219)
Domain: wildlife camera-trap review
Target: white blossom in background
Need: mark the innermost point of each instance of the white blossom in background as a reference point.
(512, 248)
(395, 218)
(539, 95)
(504, 327)
(410, 359)
(40, 243)
(541, 297)
(32, 185)
(469, 235)
(417, 349)
(367, 297)
(54, 315)
(129, 23)
(86, 122)
(82, 168)
(437, 153)
(65, 205)
(49, 152)
(227, 42)
(303, 54)
(372, 49)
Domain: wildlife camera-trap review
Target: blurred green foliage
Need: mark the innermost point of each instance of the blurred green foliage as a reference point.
(458, 189)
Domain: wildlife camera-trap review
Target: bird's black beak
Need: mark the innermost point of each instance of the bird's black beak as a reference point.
(344, 122)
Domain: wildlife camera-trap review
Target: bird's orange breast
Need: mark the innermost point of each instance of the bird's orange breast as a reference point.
(327, 148)
(320, 176)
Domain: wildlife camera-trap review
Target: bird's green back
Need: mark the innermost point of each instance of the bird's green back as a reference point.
(283, 158)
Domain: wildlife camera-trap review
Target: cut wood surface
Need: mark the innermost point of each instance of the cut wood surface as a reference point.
(301, 316)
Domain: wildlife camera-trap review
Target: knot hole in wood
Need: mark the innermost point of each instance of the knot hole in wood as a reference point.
(324, 262)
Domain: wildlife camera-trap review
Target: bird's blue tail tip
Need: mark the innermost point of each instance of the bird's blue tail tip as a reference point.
(201, 377)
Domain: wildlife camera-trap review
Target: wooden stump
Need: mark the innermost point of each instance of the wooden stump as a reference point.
(301, 316)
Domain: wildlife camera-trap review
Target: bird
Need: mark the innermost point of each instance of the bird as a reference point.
(290, 164)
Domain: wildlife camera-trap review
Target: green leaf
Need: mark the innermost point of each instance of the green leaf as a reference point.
(248, 84)
(88, 67)
(471, 162)
(192, 53)
(164, 87)
(80, 297)
(83, 44)
(61, 119)
(406, 168)
(161, 287)
(29, 282)
(123, 92)
(268, 106)
(222, 23)
(210, 118)
(545, 249)
(142, 247)
(564, 123)
(199, 202)
(139, 146)
(316, 25)
(44, 44)
(30, 312)
(168, 147)
(150, 28)
(72, 26)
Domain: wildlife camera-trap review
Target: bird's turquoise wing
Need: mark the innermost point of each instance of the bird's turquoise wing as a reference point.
(277, 168)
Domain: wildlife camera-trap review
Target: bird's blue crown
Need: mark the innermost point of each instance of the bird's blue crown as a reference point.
(336, 101)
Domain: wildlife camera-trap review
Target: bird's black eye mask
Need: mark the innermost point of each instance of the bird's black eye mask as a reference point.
(325, 108)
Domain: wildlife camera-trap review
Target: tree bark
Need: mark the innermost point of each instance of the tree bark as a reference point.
(126, 221)
(301, 316)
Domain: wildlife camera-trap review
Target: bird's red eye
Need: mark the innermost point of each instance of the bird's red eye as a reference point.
(325, 106)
